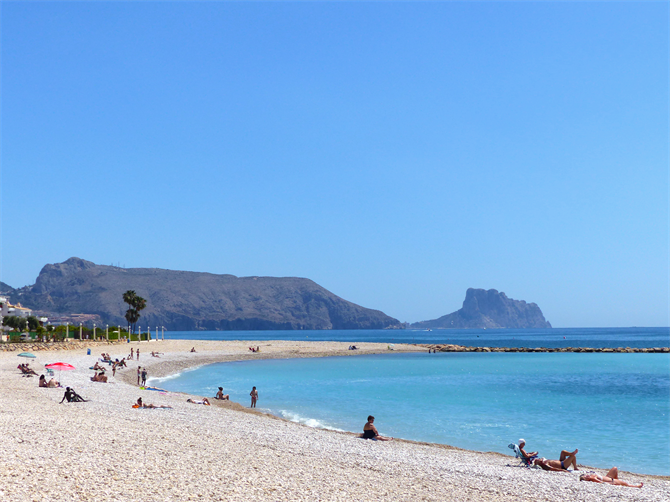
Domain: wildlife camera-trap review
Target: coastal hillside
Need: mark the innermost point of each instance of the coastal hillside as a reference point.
(194, 300)
(490, 309)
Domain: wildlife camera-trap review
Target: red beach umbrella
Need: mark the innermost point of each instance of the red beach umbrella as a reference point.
(60, 367)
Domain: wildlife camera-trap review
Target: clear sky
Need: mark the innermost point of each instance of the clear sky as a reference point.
(394, 153)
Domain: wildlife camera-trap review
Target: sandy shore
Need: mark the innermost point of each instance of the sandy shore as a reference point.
(105, 450)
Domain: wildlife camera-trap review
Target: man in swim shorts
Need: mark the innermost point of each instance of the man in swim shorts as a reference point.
(566, 459)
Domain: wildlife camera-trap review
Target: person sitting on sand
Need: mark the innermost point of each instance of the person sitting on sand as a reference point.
(99, 377)
(53, 383)
(204, 401)
(192, 349)
(370, 431)
(612, 477)
(96, 366)
(43, 381)
(154, 354)
(122, 363)
(221, 396)
(72, 396)
(564, 461)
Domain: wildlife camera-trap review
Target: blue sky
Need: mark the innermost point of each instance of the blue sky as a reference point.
(395, 153)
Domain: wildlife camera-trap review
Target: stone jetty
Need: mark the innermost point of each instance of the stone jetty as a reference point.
(462, 348)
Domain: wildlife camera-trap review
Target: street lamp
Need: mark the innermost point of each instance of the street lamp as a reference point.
(93, 331)
(107, 332)
(80, 330)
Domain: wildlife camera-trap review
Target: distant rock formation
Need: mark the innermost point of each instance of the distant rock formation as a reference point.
(490, 309)
(194, 300)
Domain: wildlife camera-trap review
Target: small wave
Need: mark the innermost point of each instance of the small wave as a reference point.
(309, 422)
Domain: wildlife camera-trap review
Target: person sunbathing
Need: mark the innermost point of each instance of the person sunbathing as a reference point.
(192, 349)
(566, 458)
(53, 383)
(140, 404)
(370, 431)
(221, 396)
(204, 401)
(612, 478)
(123, 363)
(26, 370)
(99, 377)
(154, 354)
(72, 396)
(43, 381)
(558, 465)
(96, 366)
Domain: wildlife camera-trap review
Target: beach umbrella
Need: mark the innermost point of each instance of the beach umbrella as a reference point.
(60, 367)
(27, 354)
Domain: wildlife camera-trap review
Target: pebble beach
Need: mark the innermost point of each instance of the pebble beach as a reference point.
(104, 449)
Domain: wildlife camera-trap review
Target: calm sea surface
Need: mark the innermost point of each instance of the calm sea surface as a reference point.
(532, 338)
(614, 407)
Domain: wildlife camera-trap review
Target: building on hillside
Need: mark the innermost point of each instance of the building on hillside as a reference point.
(19, 311)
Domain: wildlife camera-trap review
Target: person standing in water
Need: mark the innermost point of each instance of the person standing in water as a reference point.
(254, 397)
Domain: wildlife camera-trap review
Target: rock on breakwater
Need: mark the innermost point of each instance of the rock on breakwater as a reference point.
(462, 348)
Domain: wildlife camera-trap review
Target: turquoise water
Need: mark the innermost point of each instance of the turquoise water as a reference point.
(532, 338)
(614, 407)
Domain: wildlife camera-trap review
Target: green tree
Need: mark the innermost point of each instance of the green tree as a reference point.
(136, 304)
(33, 322)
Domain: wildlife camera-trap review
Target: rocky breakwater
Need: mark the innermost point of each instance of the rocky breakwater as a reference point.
(69, 345)
(462, 348)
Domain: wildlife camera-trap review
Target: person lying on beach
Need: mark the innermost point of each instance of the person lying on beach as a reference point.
(612, 477)
(72, 396)
(140, 404)
(370, 431)
(221, 396)
(566, 458)
(204, 401)
(558, 465)
(99, 377)
(154, 354)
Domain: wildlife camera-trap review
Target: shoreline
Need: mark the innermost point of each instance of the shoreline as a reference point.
(218, 453)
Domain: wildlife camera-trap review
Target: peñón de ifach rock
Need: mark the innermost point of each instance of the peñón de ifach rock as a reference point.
(195, 300)
(490, 309)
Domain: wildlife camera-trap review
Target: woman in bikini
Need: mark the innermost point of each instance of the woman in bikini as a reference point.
(370, 431)
(612, 478)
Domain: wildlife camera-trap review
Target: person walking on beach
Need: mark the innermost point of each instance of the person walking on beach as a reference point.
(137, 353)
(144, 377)
(132, 353)
(254, 397)
(139, 374)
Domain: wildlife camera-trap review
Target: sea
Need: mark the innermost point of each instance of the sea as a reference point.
(613, 407)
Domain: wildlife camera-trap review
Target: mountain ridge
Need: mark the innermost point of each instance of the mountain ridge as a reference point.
(182, 300)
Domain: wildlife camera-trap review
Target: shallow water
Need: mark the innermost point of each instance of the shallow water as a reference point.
(614, 407)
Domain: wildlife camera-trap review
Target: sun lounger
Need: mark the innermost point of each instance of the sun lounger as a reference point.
(524, 461)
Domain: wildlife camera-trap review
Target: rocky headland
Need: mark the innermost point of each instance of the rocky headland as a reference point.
(489, 309)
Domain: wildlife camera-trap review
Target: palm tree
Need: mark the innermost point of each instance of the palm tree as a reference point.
(135, 304)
